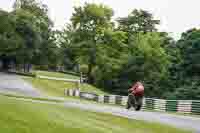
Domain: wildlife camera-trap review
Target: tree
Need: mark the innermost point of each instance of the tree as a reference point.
(190, 46)
(188, 92)
(173, 79)
(138, 21)
(43, 24)
(65, 40)
(27, 29)
(187, 69)
(148, 63)
(10, 40)
(111, 55)
(90, 23)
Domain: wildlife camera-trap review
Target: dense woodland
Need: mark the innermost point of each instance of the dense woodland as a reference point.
(113, 53)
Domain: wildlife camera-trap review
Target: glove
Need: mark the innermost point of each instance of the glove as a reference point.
(129, 91)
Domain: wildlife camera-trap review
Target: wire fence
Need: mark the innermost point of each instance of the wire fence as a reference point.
(161, 105)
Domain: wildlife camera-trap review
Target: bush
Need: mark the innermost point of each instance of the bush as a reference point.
(84, 69)
(41, 67)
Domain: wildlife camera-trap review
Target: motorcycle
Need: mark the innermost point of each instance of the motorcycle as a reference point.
(135, 102)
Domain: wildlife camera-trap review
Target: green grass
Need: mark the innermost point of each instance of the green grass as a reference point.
(26, 117)
(56, 74)
(30, 98)
(56, 88)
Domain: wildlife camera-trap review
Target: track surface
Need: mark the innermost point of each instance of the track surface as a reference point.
(12, 83)
(184, 122)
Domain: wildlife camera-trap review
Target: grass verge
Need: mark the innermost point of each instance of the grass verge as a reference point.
(56, 88)
(31, 98)
(57, 75)
(27, 117)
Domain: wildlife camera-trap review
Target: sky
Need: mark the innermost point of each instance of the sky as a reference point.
(176, 16)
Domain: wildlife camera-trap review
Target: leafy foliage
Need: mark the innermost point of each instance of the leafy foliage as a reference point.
(138, 21)
(148, 62)
(113, 54)
(90, 24)
(10, 40)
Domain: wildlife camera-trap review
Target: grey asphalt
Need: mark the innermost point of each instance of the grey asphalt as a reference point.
(183, 122)
(13, 83)
(10, 83)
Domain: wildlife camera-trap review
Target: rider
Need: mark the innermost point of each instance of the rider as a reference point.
(136, 92)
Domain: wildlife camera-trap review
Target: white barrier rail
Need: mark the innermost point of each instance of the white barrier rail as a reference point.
(162, 105)
(59, 79)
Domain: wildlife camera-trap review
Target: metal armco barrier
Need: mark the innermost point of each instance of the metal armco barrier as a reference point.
(88, 96)
(180, 106)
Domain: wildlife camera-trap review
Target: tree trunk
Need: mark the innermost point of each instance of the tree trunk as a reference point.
(28, 67)
(89, 74)
(24, 65)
